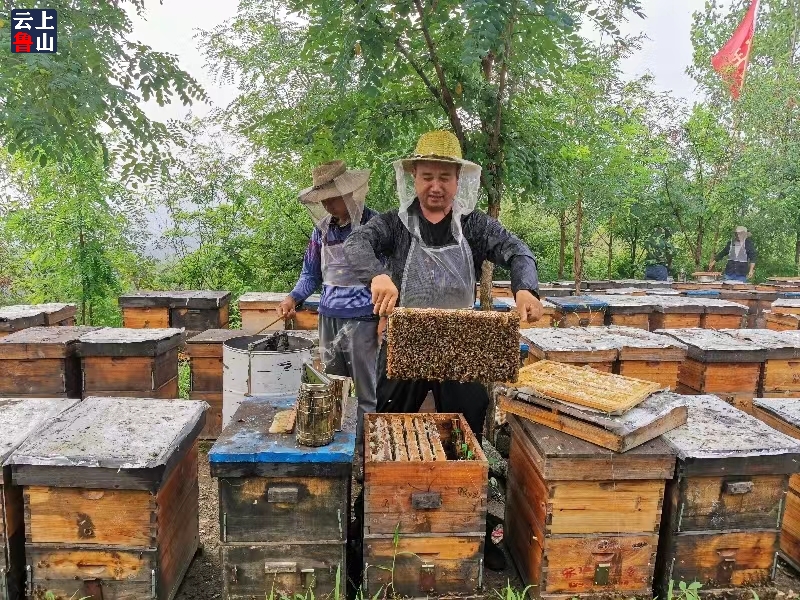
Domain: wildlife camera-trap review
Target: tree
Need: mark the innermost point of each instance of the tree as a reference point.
(52, 105)
(442, 63)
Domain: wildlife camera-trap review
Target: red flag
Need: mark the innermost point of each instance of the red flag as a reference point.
(731, 60)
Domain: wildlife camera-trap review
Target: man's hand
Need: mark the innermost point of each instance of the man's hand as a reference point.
(751, 272)
(287, 308)
(711, 264)
(528, 306)
(384, 295)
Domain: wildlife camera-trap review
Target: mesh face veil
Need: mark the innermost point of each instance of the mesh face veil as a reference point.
(353, 201)
(466, 198)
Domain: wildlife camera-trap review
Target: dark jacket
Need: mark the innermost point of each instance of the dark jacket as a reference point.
(736, 267)
(387, 236)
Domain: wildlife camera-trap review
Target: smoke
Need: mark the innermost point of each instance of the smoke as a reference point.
(341, 343)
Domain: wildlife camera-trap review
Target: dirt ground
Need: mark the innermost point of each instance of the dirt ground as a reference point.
(204, 578)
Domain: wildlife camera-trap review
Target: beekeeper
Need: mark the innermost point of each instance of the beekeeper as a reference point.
(347, 323)
(741, 253)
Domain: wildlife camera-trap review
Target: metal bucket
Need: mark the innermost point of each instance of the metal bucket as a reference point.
(249, 369)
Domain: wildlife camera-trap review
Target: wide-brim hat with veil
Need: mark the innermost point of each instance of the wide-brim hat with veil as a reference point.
(334, 180)
(443, 147)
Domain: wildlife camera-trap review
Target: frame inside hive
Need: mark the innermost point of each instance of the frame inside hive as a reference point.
(612, 394)
(418, 437)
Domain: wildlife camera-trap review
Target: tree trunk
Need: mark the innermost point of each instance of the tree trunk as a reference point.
(82, 245)
(610, 244)
(577, 259)
(562, 244)
(487, 268)
(797, 253)
(698, 249)
(633, 250)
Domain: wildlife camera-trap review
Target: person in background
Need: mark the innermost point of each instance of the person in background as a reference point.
(348, 327)
(741, 253)
(659, 253)
(433, 247)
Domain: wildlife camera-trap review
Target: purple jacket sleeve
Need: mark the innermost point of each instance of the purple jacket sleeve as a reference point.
(311, 275)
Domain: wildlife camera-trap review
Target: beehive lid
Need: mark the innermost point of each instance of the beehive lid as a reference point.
(501, 284)
(662, 292)
(125, 443)
(719, 439)
(703, 293)
(214, 336)
(584, 387)
(627, 305)
(20, 316)
(722, 307)
(578, 304)
(621, 291)
(787, 303)
(499, 304)
(780, 345)
(709, 345)
(552, 291)
(120, 341)
(784, 279)
(246, 447)
(639, 344)
(572, 344)
(197, 299)
(20, 417)
(55, 312)
(267, 297)
(738, 295)
(667, 304)
(784, 409)
(565, 457)
(43, 342)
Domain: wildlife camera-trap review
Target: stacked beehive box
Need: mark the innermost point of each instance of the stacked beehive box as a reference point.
(42, 362)
(648, 356)
(784, 315)
(582, 520)
(578, 311)
(722, 314)
(627, 310)
(780, 375)
(676, 312)
(425, 500)
(307, 316)
(130, 362)
(19, 317)
(194, 311)
(579, 346)
(19, 418)
(719, 364)
(205, 366)
(111, 499)
(283, 508)
(259, 311)
(783, 414)
(722, 513)
(506, 304)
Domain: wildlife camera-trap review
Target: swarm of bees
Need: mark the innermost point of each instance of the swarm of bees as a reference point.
(453, 345)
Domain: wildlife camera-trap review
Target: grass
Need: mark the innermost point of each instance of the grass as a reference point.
(184, 379)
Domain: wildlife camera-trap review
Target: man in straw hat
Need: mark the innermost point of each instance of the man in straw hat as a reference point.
(347, 324)
(434, 246)
(741, 255)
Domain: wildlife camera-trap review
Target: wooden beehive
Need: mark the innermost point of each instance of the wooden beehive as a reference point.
(502, 289)
(722, 314)
(582, 520)
(780, 375)
(676, 312)
(42, 362)
(130, 362)
(579, 346)
(111, 498)
(506, 304)
(19, 418)
(419, 482)
(16, 318)
(205, 366)
(648, 356)
(578, 311)
(628, 310)
(719, 363)
(259, 311)
(194, 311)
(58, 314)
(283, 508)
(307, 316)
(780, 322)
(786, 306)
(723, 512)
(553, 291)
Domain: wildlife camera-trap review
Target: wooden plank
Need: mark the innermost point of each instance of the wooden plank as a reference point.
(790, 531)
(637, 321)
(715, 321)
(198, 319)
(411, 439)
(660, 321)
(199, 299)
(426, 450)
(168, 391)
(436, 441)
(129, 373)
(719, 560)
(40, 377)
(664, 373)
(20, 316)
(208, 344)
(206, 374)
(145, 317)
(398, 439)
(720, 377)
(781, 376)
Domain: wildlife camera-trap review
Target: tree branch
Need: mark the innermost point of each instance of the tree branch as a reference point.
(428, 83)
(494, 143)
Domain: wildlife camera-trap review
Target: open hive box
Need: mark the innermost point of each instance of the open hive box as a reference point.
(425, 500)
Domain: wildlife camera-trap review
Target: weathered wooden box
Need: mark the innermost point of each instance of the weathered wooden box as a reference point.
(111, 499)
(582, 520)
(723, 512)
(719, 363)
(628, 310)
(205, 368)
(194, 311)
(578, 311)
(259, 311)
(22, 316)
(417, 486)
(786, 306)
(780, 374)
(307, 316)
(648, 356)
(722, 314)
(283, 508)
(780, 322)
(19, 418)
(676, 312)
(130, 362)
(783, 414)
(579, 346)
(42, 362)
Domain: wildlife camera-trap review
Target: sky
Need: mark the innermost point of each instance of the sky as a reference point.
(171, 27)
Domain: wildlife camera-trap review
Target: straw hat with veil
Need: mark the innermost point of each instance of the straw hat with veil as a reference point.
(333, 180)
